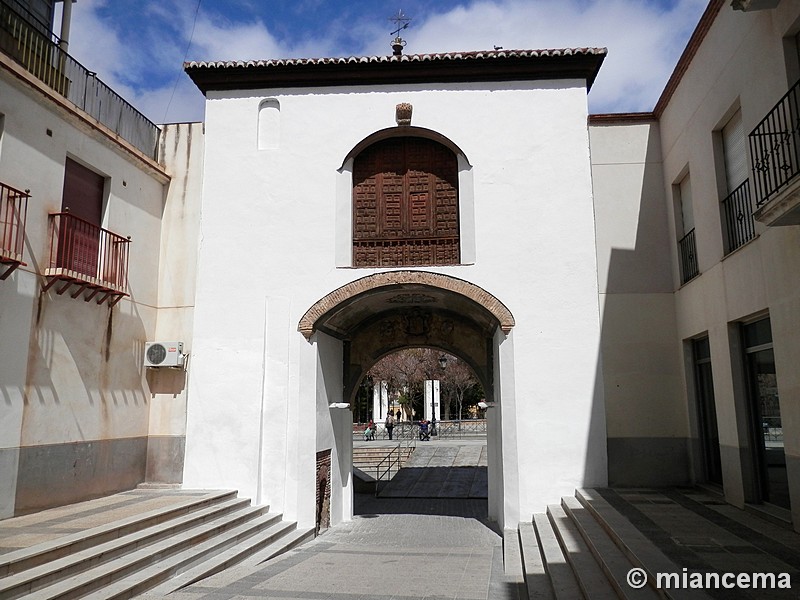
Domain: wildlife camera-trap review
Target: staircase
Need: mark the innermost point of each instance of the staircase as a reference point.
(367, 458)
(584, 548)
(161, 550)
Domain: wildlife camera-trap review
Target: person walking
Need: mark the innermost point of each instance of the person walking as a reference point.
(389, 424)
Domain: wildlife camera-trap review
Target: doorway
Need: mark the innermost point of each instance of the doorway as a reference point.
(765, 414)
(707, 411)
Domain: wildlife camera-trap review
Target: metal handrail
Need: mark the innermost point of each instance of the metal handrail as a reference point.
(88, 252)
(412, 443)
(739, 219)
(45, 60)
(688, 255)
(13, 216)
(455, 428)
(775, 147)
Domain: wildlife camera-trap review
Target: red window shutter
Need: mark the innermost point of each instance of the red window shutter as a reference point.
(79, 238)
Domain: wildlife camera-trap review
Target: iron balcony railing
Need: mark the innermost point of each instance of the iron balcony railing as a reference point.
(775, 147)
(88, 255)
(466, 428)
(13, 214)
(688, 254)
(739, 222)
(41, 56)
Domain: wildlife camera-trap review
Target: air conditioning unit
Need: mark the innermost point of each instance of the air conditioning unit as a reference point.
(163, 354)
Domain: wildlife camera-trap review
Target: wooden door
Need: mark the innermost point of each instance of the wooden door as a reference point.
(79, 234)
(405, 204)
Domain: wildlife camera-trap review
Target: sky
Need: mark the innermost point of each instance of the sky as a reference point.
(138, 46)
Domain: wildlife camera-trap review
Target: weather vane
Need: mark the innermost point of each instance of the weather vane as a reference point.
(402, 22)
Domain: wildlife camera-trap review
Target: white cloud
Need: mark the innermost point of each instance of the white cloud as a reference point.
(644, 40)
(640, 37)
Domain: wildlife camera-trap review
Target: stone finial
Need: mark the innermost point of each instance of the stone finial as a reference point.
(402, 113)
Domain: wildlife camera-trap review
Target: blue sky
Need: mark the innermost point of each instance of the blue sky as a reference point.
(138, 46)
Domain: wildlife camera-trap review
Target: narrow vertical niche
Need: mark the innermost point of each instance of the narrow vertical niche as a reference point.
(269, 124)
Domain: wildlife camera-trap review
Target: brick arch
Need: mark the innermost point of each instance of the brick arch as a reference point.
(490, 303)
(404, 131)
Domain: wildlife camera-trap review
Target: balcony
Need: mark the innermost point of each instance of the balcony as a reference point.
(90, 258)
(775, 150)
(21, 38)
(405, 252)
(739, 223)
(688, 255)
(13, 212)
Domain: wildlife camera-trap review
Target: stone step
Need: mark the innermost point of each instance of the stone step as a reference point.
(634, 544)
(590, 577)
(39, 576)
(533, 570)
(275, 540)
(565, 585)
(293, 539)
(147, 566)
(192, 558)
(614, 563)
(26, 558)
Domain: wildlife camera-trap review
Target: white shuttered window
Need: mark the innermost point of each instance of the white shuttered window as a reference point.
(735, 150)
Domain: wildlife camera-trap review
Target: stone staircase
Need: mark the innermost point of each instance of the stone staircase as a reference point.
(161, 550)
(584, 548)
(367, 458)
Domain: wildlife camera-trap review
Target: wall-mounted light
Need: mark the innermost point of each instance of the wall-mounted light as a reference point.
(485, 405)
(339, 405)
(442, 361)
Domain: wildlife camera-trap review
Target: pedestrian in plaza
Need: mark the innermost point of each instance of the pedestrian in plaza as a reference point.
(389, 424)
(424, 435)
(371, 428)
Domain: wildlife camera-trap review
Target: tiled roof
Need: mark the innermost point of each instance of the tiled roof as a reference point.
(404, 58)
(489, 65)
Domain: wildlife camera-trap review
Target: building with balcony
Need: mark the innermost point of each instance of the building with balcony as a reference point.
(87, 274)
(706, 186)
(624, 285)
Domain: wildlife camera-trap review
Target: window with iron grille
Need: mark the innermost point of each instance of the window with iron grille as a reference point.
(687, 249)
(405, 204)
(737, 207)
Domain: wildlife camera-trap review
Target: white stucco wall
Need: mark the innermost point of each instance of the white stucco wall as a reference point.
(72, 370)
(647, 422)
(742, 64)
(269, 230)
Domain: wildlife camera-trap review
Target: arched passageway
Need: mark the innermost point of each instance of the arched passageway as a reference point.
(372, 317)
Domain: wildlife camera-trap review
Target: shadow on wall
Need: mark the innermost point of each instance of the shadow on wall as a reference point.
(85, 411)
(639, 373)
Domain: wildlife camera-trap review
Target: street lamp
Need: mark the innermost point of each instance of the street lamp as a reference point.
(442, 366)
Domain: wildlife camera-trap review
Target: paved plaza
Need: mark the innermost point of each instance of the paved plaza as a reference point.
(442, 469)
(434, 541)
(386, 556)
(424, 537)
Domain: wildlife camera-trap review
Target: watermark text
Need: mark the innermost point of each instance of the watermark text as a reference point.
(684, 580)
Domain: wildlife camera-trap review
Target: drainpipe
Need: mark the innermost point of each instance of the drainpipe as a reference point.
(66, 17)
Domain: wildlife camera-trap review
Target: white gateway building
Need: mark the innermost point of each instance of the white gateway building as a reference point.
(624, 286)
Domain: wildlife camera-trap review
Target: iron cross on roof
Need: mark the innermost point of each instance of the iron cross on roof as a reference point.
(401, 21)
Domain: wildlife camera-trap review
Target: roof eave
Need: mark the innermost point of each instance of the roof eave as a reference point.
(247, 76)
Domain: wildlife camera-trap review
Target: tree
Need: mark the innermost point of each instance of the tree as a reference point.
(459, 378)
(406, 371)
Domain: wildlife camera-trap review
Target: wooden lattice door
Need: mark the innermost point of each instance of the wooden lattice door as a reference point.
(405, 204)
